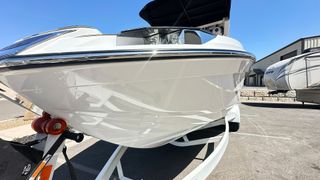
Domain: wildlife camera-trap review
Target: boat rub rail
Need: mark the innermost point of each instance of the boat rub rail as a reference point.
(57, 59)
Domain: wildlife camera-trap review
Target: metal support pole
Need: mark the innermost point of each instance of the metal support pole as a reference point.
(113, 161)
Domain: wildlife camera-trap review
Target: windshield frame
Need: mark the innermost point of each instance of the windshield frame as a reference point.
(168, 27)
(147, 33)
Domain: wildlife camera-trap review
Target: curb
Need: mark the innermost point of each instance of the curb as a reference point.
(16, 132)
(270, 102)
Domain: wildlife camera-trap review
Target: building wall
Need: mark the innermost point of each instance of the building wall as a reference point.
(311, 43)
(266, 62)
(257, 70)
(254, 79)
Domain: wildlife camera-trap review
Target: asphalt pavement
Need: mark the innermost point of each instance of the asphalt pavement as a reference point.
(275, 141)
(8, 110)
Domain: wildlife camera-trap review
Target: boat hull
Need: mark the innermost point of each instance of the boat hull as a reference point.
(139, 104)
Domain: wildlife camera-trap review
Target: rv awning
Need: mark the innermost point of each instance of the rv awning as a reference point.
(187, 13)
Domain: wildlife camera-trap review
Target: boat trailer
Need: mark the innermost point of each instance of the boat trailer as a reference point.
(52, 133)
(54, 144)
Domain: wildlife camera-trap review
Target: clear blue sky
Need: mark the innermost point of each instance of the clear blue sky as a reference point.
(262, 26)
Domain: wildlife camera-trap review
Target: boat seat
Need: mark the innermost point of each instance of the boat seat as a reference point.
(191, 37)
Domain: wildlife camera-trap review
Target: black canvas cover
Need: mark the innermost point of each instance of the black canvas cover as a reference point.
(17, 160)
(187, 13)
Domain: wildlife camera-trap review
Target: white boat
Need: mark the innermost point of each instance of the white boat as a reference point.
(140, 88)
(300, 73)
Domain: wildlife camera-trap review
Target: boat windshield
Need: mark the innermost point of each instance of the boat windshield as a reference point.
(164, 35)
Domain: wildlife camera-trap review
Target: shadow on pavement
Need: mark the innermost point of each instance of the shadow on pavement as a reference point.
(283, 105)
(164, 162)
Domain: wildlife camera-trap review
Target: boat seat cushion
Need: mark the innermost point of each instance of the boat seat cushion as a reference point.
(191, 37)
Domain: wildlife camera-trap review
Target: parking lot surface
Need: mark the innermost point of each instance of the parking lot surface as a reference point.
(275, 141)
(8, 110)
